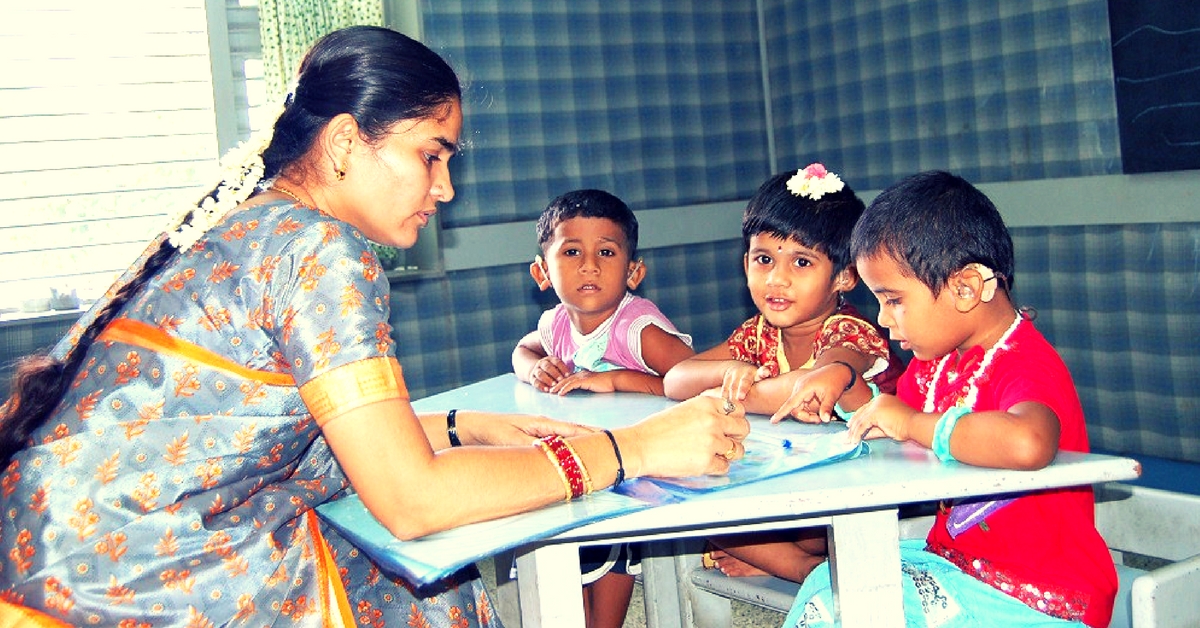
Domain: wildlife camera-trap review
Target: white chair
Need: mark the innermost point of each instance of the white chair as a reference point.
(1154, 536)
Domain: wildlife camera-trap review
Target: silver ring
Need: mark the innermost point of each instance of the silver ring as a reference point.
(727, 407)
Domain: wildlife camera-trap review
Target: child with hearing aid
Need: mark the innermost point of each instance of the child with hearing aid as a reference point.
(805, 340)
(601, 338)
(984, 388)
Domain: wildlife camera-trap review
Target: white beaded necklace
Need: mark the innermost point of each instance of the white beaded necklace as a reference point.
(973, 389)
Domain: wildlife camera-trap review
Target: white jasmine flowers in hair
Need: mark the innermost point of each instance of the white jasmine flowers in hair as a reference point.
(241, 171)
(814, 182)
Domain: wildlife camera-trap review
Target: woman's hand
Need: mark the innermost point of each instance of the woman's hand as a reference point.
(700, 436)
(512, 430)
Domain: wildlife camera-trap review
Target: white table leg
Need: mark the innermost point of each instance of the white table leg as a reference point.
(506, 600)
(660, 587)
(864, 560)
(550, 587)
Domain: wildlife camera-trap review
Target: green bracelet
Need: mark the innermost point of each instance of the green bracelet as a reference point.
(846, 416)
(943, 430)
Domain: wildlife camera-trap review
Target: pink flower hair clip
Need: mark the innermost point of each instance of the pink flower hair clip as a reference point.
(814, 182)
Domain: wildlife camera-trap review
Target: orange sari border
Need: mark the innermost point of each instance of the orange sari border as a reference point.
(353, 386)
(335, 605)
(156, 339)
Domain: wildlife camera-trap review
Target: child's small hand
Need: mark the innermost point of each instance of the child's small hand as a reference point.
(546, 372)
(884, 415)
(814, 395)
(739, 378)
(602, 382)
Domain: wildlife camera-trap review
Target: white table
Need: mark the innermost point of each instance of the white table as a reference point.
(857, 498)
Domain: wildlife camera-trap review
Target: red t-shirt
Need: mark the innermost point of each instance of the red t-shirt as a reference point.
(1042, 548)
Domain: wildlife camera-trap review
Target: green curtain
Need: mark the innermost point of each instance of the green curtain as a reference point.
(289, 27)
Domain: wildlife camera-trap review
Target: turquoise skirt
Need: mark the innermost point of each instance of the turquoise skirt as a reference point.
(937, 594)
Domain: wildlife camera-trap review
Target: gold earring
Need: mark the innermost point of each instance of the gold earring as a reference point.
(340, 173)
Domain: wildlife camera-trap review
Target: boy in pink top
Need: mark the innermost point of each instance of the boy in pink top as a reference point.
(601, 338)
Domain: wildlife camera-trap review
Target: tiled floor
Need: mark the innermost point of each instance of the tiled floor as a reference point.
(744, 615)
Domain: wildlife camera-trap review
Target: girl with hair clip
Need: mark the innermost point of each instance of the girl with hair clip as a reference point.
(984, 388)
(805, 341)
(163, 461)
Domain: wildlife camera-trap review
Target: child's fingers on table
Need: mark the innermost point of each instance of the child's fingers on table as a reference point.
(794, 405)
(545, 373)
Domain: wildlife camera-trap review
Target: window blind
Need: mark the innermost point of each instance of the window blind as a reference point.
(107, 124)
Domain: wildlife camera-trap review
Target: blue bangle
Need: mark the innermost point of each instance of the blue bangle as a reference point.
(846, 416)
(943, 430)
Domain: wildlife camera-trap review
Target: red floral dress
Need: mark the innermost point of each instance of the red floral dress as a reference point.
(759, 343)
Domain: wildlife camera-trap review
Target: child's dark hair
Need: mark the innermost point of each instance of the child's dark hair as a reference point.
(823, 225)
(936, 223)
(588, 204)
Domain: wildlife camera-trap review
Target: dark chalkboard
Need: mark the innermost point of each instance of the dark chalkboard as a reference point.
(1156, 64)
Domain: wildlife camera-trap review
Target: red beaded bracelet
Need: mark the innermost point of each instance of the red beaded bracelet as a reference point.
(569, 465)
(587, 479)
(557, 467)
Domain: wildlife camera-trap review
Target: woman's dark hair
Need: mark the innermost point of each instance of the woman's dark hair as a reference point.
(588, 204)
(823, 225)
(377, 75)
(935, 223)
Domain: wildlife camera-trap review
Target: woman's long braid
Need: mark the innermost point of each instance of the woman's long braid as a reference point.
(40, 380)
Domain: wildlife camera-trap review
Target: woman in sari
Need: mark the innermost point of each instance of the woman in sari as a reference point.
(163, 462)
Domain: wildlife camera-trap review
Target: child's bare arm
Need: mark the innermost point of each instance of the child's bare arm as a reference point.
(526, 354)
(622, 380)
(701, 372)
(1025, 437)
(661, 350)
(835, 376)
(533, 366)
